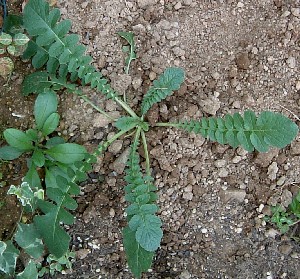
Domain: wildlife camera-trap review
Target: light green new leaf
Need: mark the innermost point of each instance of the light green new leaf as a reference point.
(169, 81)
(10, 153)
(67, 153)
(45, 105)
(139, 260)
(20, 39)
(50, 124)
(29, 239)
(18, 139)
(129, 37)
(30, 271)
(8, 257)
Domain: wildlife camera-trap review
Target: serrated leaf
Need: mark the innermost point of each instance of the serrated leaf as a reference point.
(149, 233)
(29, 239)
(30, 271)
(262, 132)
(18, 139)
(8, 257)
(20, 39)
(169, 81)
(50, 124)
(139, 260)
(67, 153)
(10, 153)
(45, 105)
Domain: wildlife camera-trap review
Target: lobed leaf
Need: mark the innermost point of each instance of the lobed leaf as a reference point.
(169, 81)
(29, 239)
(269, 129)
(8, 257)
(139, 260)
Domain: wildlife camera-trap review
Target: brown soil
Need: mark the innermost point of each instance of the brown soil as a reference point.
(237, 55)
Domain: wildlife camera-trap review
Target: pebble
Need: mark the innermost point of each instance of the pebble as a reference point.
(178, 6)
(295, 12)
(220, 163)
(291, 62)
(112, 212)
(82, 253)
(264, 159)
(101, 121)
(272, 171)
(152, 75)
(185, 275)
(295, 148)
(145, 3)
(188, 196)
(298, 85)
(233, 194)
(136, 82)
(211, 105)
(286, 198)
(120, 163)
(115, 147)
(285, 249)
(187, 2)
(243, 61)
(223, 172)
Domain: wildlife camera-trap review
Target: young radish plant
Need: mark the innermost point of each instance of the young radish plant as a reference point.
(63, 61)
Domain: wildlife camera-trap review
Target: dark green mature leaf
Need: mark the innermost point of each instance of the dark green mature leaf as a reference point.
(169, 81)
(10, 153)
(269, 129)
(30, 271)
(139, 260)
(29, 239)
(18, 139)
(45, 105)
(67, 153)
(32, 176)
(8, 257)
(48, 225)
(52, 47)
(38, 158)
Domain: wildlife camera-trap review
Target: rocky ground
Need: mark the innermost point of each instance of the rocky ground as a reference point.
(237, 55)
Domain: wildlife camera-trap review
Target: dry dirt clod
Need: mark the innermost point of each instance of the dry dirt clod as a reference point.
(243, 61)
(145, 3)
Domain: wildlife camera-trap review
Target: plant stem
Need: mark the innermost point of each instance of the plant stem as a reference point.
(146, 153)
(86, 99)
(125, 107)
(177, 125)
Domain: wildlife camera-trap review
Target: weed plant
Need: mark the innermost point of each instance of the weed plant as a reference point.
(50, 199)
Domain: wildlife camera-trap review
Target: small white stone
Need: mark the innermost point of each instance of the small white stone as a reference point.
(298, 85)
(178, 6)
(240, 5)
(204, 230)
(291, 62)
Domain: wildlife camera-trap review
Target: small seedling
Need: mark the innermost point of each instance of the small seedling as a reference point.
(53, 49)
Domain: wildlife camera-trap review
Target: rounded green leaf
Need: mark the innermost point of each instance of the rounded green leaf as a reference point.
(45, 104)
(5, 39)
(38, 158)
(67, 153)
(11, 50)
(50, 124)
(18, 139)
